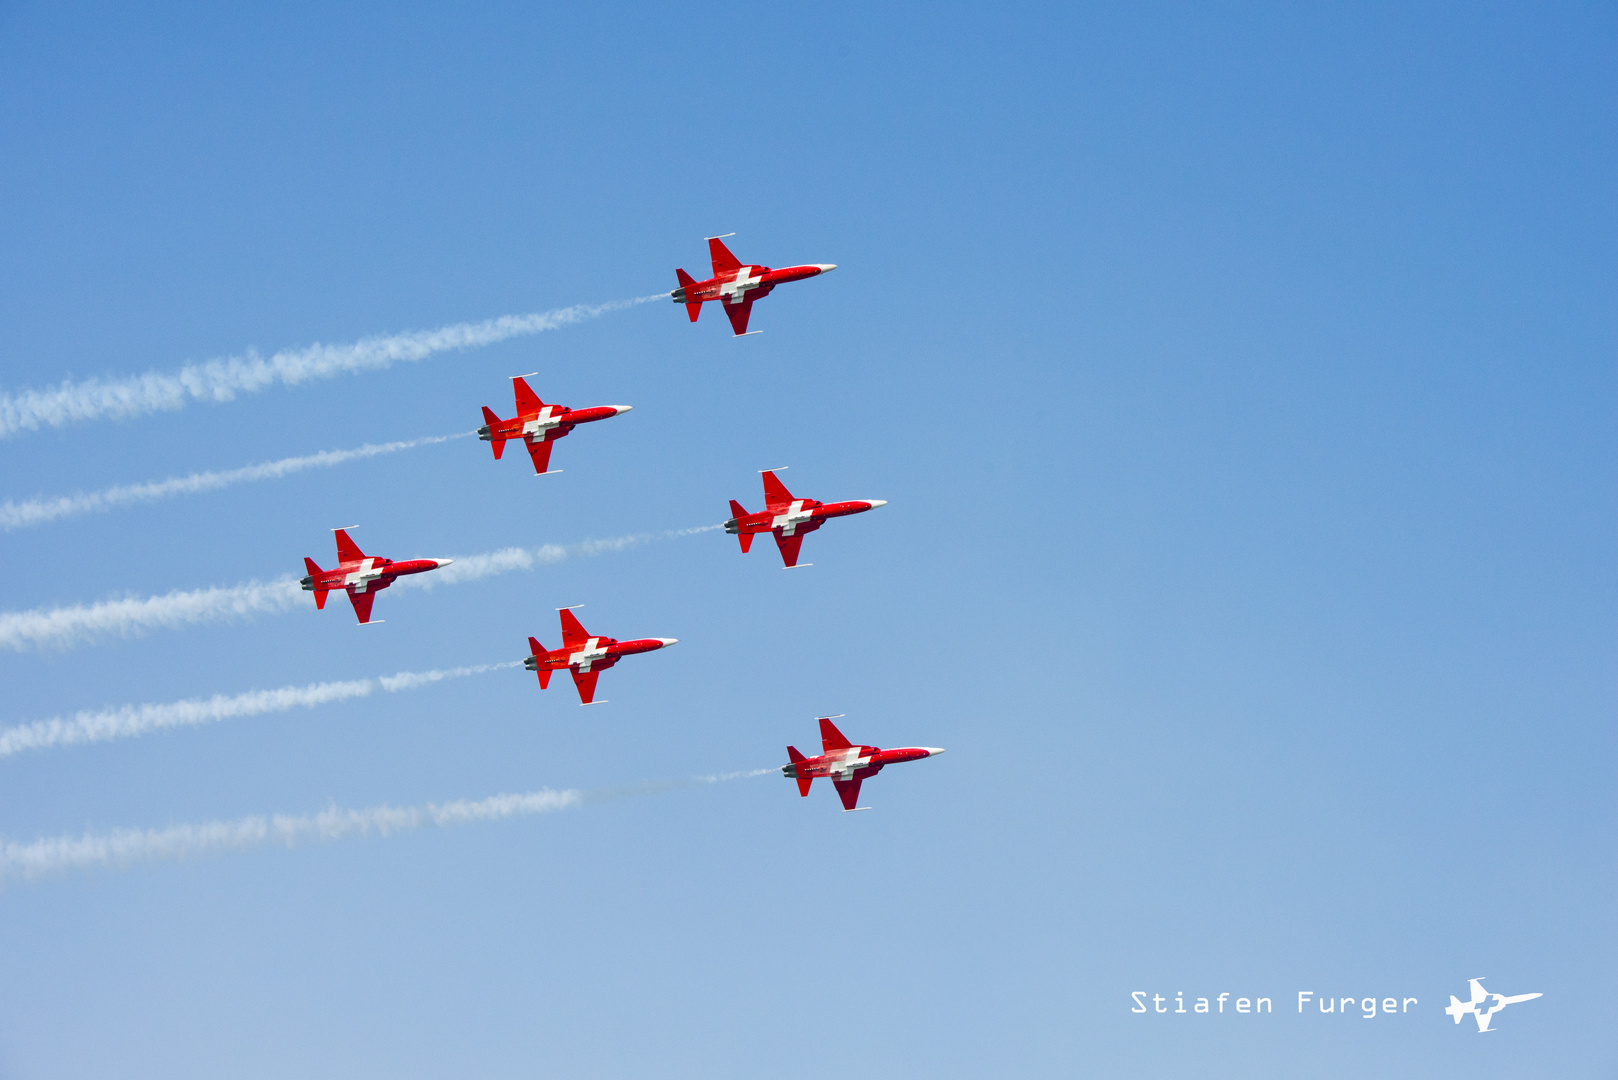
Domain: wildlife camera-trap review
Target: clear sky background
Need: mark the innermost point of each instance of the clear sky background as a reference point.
(1241, 381)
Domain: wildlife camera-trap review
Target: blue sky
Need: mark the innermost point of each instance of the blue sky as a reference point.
(1241, 383)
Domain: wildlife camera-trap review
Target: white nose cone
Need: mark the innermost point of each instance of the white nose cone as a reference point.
(621, 409)
(667, 641)
(825, 268)
(932, 751)
(877, 502)
(443, 562)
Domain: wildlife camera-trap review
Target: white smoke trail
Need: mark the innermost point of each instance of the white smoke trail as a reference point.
(124, 847)
(473, 567)
(129, 721)
(39, 511)
(63, 627)
(121, 847)
(249, 373)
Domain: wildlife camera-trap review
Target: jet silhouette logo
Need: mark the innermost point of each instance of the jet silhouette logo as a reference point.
(1483, 1006)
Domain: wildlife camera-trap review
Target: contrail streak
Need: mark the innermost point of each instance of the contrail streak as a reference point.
(125, 847)
(66, 626)
(129, 721)
(39, 511)
(249, 373)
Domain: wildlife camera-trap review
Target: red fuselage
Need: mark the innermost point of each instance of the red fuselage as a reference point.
(746, 283)
(362, 576)
(845, 764)
(584, 655)
(736, 284)
(789, 518)
(538, 424)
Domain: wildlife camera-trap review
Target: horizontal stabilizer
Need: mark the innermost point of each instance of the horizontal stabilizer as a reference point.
(693, 308)
(803, 781)
(498, 445)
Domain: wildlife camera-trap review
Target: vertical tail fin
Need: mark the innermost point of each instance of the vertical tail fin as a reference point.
(315, 572)
(693, 308)
(498, 445)
(803, 781)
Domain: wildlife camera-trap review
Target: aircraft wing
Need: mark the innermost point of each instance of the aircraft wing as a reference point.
(573, 631)
(789, 546)
(541, 453)
(723, 260)
(586, 682)
(347, 550)
(362, 603)
(527, 400)
(849, 792)
(738, 313)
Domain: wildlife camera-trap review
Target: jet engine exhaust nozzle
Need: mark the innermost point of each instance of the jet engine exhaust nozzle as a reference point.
(307, 583)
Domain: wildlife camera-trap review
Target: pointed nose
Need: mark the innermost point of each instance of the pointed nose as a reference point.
(667, 641)
(877, 502)
(825, 268)
(621, 409)
(442, 562)
(932, 751)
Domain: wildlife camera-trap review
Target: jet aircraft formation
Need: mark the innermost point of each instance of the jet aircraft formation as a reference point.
(585, 656)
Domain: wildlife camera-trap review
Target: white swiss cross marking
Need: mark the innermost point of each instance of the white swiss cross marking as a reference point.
(847, 764)
(794, 516)
(542, 423)
(588, 655)
(735, 291)
(360, 580)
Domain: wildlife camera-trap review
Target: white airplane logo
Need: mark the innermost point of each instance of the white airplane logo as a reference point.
(1483, 1005)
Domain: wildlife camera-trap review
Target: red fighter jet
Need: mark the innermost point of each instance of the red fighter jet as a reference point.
(538, 424)
(736, 286)
(788, 518)
(585, 656)
(360, 574)
(846, 764)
